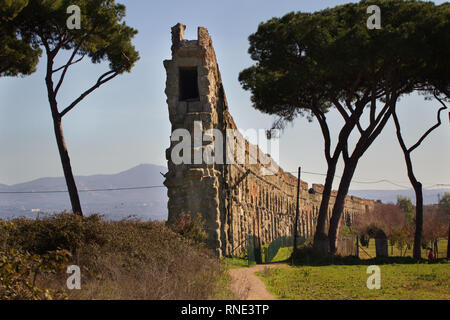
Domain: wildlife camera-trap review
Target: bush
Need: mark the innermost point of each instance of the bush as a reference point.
(190, 228)
(126, 259)
(19, 272)
(399, 238)
(63, 231)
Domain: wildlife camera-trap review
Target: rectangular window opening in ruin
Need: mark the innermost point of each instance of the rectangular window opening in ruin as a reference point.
(189, 84)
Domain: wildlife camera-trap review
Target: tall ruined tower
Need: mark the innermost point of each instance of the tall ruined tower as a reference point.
(194, 93)
(238, 198)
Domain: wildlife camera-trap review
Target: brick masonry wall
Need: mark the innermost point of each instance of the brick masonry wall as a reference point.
(236, 200)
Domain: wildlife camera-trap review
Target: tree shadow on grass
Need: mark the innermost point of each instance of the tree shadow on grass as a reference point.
(306, 256)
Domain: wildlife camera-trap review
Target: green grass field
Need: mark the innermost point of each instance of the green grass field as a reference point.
(364, 253)
(283, 254)
(235, 262)
(369, 253)
(408, 281)
(398, 282)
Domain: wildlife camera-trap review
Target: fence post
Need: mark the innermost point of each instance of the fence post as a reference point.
(251, 250)
(357, 246)
(298, 208)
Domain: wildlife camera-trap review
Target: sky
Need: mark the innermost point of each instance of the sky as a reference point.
(125, 123)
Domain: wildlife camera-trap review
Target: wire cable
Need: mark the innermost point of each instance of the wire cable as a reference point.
(83, 190)
(153, 187)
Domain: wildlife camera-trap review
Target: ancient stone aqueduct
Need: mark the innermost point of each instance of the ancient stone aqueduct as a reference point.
(235, 200)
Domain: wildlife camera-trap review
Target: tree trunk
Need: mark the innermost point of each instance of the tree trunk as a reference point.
(448, 241)
(320, 238)
(417, 253)
(59, 134)
(437, 248)
(67, 168)
(339, 204)
(320, 234)
(416, 184)
(419, 201)
(367, 137)
(297, 208)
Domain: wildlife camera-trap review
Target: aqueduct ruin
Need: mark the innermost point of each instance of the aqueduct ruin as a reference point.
(235, 199)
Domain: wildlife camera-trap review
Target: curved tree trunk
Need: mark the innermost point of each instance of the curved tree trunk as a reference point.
(320, 234)
(59, 134)
(416, 184)
(418, 193)
(417, 189)
(368, 136)
(339, 204)
(417, 249)
(67, 168)
(320, 237)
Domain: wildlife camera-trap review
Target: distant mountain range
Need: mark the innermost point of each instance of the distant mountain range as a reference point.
(148, 204)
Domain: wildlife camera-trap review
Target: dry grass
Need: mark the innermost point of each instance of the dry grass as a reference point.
(122, 260)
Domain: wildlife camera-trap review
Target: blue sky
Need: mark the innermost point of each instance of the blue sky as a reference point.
(125, 123)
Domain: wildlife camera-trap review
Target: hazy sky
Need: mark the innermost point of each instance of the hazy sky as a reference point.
(126, 123)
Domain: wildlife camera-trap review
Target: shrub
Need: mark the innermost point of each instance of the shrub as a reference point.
(19, 272)
(189, 227)
(399, 238)
(126, 259)
(59, 231)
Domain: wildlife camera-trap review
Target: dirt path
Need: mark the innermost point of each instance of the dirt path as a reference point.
(247, 286)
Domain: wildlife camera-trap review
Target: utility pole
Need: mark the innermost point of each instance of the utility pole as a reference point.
(297, 211)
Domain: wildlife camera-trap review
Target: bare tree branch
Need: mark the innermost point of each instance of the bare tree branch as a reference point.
(325, 132)
(44, 42)
(374, 129)
(68, 64)
(373, 104)
(101, 80)
(399, 134)
(341, 109)
(432, 128)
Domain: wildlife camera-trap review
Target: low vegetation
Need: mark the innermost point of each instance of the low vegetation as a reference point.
(313, 277)
(398, 223)
(127, 259)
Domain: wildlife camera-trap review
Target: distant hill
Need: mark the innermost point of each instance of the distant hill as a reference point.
(430, 196)
(149, 204)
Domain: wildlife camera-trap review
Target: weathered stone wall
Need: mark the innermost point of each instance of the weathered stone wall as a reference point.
(235, 200)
